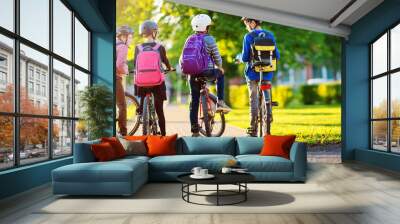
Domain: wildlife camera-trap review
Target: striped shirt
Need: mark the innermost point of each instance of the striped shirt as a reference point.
(212, 50)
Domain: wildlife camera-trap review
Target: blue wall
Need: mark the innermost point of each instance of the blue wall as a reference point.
(356, 85)
(100, 17)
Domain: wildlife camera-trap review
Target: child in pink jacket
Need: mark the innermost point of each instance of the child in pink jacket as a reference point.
(124, 39)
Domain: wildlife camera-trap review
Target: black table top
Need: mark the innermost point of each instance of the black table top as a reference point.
(220, 178)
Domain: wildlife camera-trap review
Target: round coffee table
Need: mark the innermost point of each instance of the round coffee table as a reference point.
(238, 179)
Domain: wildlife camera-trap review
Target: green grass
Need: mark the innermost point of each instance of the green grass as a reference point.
(319, 124)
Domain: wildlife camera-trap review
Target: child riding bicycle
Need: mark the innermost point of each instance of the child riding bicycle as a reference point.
(208, 63)
(150, 79)
(124, 39)
(253, 77)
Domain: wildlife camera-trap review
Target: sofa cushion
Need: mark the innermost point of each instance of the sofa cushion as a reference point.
(103, 152)
(257, 163)
(161, 145)
(210, 145)
(185, 163)
(112, 171)
(116, 145)
(275, 145)
(248, 145)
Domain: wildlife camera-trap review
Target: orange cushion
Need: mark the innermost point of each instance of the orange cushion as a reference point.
(103, 152)
(161, 145)
(277, 145)
(136, 138)
(116, 145)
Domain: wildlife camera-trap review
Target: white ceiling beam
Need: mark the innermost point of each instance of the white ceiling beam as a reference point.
(269, 15)
(347, 12)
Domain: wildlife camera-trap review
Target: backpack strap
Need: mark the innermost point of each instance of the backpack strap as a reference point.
(155, 48)
(140, 47)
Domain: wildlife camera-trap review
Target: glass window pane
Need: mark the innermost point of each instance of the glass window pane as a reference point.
(81, 131)
(81, 45)
(379, 135)
(379, 55)
(35, 21)
(7, 14)
(34, 97)
(62, 138)
(81, 81)
(395, 136)
(6, 142)
(395, 94)
(395, 47)
(379, 97)
(62, 89)
(6, 74)
(62, 29)
(33, 139)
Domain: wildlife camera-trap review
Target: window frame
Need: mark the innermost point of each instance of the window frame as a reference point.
(16, 114)
(388, 74)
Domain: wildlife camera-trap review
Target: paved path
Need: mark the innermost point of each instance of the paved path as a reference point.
(177, 121)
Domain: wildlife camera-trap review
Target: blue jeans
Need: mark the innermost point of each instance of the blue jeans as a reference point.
(195, 88)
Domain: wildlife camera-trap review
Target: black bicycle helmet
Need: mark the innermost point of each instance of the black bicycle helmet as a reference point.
(148, 27)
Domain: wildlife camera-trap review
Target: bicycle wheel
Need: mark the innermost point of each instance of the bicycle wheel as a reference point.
(217, 120)
(262, 117)
(153, 120)
(146, 116)
(132, 117)
(205, 118)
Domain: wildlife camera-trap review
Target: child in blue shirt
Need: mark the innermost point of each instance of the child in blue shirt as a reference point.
(252, 77)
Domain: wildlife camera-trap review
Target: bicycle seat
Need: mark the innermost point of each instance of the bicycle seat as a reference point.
(204, 79)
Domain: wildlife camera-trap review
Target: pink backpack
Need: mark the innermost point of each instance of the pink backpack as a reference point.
(148, 66)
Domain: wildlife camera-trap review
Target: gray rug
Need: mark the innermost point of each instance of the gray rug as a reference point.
(166, 198)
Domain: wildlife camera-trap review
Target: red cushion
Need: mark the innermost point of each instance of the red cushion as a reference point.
(136, 138)
(116, 145)
(103, 152)
(161, 145)
(277, 145)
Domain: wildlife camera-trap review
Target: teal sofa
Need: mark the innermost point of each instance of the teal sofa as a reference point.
(125, 176)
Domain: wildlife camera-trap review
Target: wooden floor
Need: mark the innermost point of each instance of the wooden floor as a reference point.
(377, 189)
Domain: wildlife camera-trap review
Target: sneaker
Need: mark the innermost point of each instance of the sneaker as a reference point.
(195, 134)
(251, 132)
(222, 107)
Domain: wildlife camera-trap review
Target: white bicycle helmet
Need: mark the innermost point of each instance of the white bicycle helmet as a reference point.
(200, 22)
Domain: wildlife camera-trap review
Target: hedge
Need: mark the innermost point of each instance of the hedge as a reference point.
(239, 95)
(327, 93)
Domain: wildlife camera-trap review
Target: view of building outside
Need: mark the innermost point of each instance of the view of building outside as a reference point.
(35, 116)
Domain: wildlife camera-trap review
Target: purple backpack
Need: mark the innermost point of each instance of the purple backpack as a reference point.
(194, 59)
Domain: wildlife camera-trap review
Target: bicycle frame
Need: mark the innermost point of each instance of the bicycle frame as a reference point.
(265, 112)
(149, 117)
(207, 112)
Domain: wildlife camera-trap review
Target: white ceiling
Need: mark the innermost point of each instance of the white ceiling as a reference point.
(315, 15)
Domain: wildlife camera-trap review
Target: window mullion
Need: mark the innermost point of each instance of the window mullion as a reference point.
(73, 81)
(50, 81)
(389, 104)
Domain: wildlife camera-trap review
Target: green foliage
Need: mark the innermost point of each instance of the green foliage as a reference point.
(325, 93)
(238, 96)
(329, 93)
(309, 94)
(97, 104)
(283, 95)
